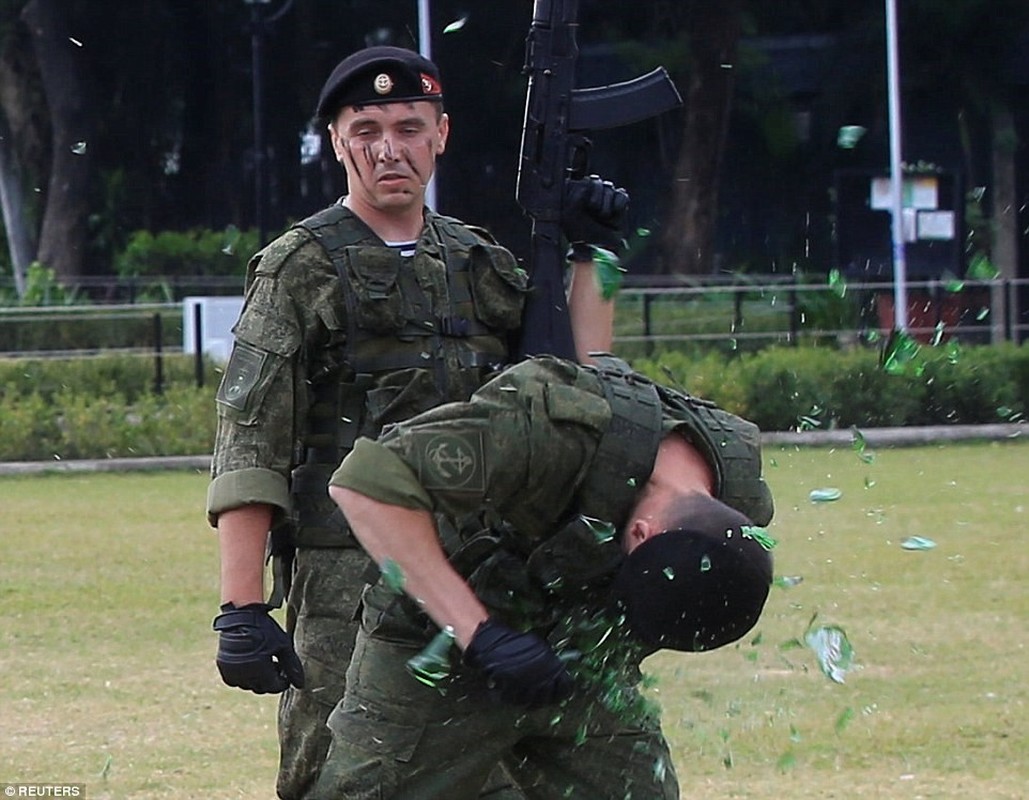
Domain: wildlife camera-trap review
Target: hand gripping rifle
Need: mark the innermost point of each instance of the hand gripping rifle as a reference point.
(554, 146)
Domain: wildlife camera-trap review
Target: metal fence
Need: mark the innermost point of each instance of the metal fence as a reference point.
(758, 312)
(652, 311)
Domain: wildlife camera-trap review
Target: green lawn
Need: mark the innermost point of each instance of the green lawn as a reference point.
(108, 584)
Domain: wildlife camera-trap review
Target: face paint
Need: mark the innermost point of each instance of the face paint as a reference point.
(389, 153)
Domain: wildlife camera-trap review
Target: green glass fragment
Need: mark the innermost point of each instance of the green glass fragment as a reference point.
(602, 530)
(232, 235)
(826, 495)
(836, 283)
(848, 136)
(833, 650)
(670, 573)
(609, 271)
(456, 25)
(860, 446)
(788, 581)
(899, 354)
(844, 719)
(951, 283)
(953, 351)
(705, 563)
(981, 269)
(393, 575)
(759, 535)
(432, 664)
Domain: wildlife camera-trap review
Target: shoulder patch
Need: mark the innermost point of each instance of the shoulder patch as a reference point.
(450, 461)
(241, 375)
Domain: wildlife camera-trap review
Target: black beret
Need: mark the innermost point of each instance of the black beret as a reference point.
(378, 75)
(694, 590)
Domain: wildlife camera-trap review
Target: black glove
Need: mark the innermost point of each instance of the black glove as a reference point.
(520, 666)
(593, 214)
(254, 652)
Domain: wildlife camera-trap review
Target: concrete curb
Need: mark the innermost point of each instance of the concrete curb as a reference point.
(900, 437)
(147, 464)
(874, 437)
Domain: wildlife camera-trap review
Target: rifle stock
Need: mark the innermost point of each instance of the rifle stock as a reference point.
(554, 146)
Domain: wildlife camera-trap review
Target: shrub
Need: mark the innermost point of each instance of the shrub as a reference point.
(789, 388)
(977, 385)
(194, 252)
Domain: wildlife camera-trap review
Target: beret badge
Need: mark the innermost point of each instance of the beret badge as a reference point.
(383, 83)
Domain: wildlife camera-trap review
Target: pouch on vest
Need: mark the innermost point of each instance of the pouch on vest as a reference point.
(373, 273)
(581, 556)
(499, 286)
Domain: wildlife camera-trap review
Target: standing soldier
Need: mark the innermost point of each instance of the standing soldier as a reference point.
(364, 314)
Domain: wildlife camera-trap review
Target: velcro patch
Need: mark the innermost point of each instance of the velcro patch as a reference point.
(450, 461)
(241, 375)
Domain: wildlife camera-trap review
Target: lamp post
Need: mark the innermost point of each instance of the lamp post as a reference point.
(900, 296)
(425, 49)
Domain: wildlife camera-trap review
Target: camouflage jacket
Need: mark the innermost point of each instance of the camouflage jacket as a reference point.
(339, 335)
(524, 450)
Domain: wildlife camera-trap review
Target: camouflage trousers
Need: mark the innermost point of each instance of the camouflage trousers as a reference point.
(394, 738)
(321, 615)
(323, 601)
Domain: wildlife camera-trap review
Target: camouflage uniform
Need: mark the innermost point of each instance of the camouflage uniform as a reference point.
(340, 335)
(533, 448)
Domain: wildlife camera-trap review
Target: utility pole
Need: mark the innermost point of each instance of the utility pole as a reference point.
(900, 289)
(425, 49)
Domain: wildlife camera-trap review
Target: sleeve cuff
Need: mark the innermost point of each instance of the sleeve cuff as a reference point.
(246, 487)
(377, 472)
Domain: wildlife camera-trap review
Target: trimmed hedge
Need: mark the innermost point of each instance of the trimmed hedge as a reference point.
(790, 388)
(105, 407)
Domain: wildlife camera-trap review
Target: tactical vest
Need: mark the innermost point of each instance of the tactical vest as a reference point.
(438, 335)
(642, 412)
(583, 555)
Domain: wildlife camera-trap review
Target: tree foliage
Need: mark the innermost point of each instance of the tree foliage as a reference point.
(139, 116)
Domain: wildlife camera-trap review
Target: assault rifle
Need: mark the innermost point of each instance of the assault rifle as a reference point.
(554, 146)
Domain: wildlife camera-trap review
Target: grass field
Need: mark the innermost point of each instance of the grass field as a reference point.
(108, 584)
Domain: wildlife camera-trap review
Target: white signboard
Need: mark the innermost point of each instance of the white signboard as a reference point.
(217, 316)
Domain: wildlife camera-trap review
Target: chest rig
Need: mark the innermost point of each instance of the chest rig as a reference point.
(586, 550)
(420, 330)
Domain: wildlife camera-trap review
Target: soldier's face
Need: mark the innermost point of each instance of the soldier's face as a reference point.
(389, 151)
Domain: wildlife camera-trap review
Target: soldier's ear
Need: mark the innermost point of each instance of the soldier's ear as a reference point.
(637, 532)
(444, 134)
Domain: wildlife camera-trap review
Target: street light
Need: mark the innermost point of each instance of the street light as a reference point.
(425, 49)
(900, 290)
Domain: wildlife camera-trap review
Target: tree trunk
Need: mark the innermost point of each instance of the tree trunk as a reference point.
(19, 237)
(1004, 247)
(62, 240)
(24, 149)
(687, 241)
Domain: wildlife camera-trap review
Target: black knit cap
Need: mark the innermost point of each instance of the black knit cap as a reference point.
(693, 590)
(379, 75)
